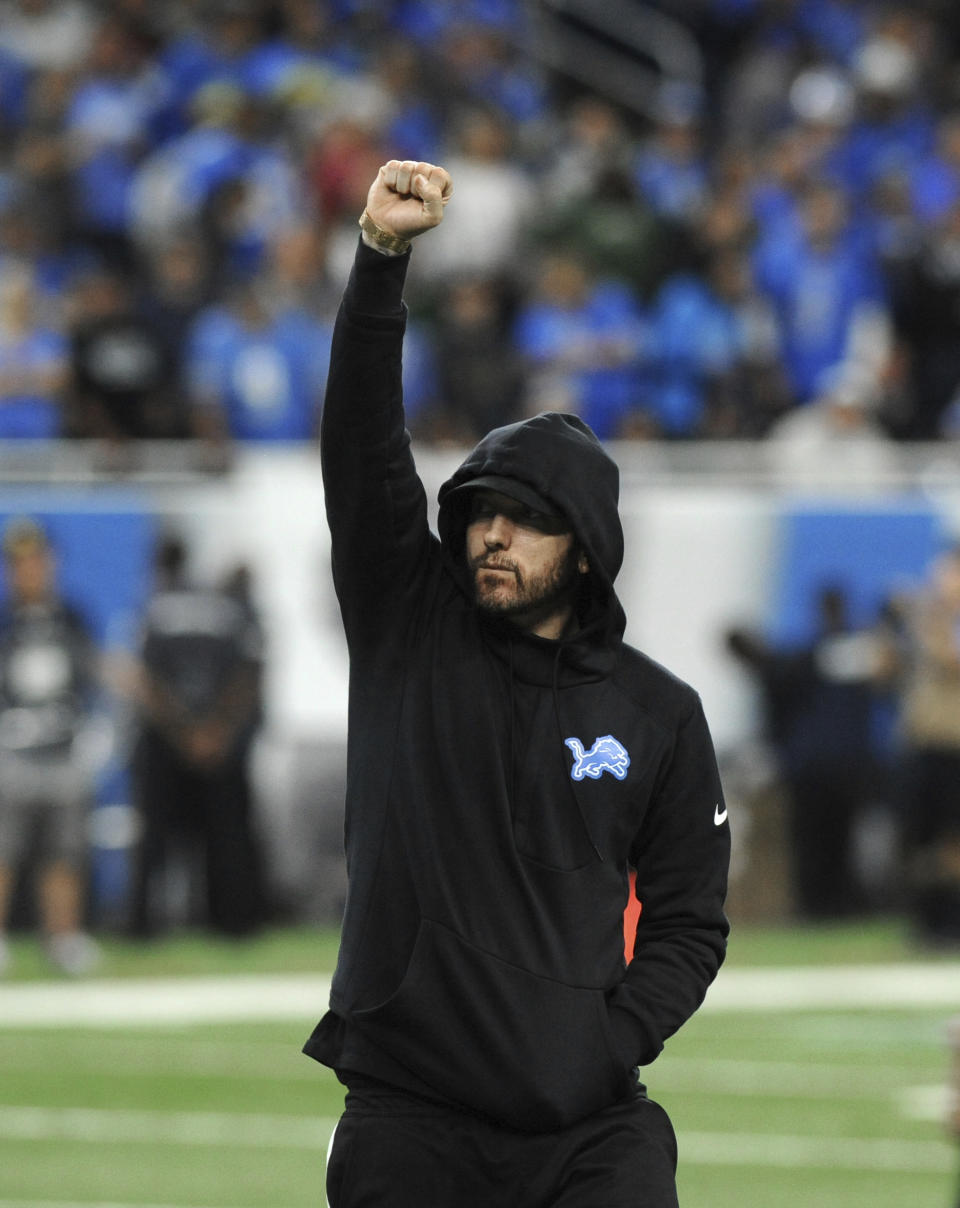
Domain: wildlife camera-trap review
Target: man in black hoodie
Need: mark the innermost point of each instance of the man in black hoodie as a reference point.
(510, 761)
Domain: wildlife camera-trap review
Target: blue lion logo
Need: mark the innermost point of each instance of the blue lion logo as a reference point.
(606, 755)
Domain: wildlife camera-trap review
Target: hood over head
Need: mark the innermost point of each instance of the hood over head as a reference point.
(514, 488)
(555, 463)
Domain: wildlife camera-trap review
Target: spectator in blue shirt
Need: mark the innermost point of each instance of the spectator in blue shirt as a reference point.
(303, 54)
(670, 168)
(33, 364)
(226, 173)
(584, 342)
(255, 375)
(935, 182)
(826, 289)
(716, 353)
(218, 50)
(894, 127)
(413, 106)
(109, 128)
(835, 27)
(482, 66)
(14, 87)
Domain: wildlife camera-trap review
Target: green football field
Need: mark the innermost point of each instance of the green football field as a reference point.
(815, 1075)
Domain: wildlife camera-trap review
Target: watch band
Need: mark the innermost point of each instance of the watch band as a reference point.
(383, 239)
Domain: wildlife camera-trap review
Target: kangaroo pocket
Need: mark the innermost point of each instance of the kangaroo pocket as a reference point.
(532, 1052)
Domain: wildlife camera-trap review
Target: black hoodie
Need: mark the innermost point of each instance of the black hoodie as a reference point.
(501, 785)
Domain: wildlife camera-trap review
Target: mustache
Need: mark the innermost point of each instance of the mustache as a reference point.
(489, 564)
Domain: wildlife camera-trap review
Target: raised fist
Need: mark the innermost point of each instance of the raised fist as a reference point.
(407, 198)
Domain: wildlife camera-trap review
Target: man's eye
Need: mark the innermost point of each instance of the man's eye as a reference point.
(530, 517)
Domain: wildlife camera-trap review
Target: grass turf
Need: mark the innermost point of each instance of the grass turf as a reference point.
(837, 1108)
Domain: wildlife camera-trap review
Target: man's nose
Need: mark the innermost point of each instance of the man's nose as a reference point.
(498, 532)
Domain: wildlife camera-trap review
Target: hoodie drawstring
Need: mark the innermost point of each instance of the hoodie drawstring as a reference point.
(562, 744)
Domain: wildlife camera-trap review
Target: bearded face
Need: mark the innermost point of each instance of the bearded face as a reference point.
(522, 568)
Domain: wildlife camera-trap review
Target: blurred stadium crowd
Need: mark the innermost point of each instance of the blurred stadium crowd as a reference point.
(180, 184)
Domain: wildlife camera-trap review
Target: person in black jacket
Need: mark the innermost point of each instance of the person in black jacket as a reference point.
(197, 689)
(821, 701)
(510, 760)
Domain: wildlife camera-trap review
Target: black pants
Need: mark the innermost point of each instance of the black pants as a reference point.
(209, 814)
(392, 1150)
(931, 832)
(824, 804)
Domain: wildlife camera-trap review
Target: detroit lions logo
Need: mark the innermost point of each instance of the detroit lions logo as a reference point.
(606, 755)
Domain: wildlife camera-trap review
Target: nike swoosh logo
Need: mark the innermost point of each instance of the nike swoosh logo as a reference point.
(718, 817)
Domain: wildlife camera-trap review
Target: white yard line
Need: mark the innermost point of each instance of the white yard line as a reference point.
(929, 984)
(156, 1002)
(766, 1079)
(115, 1126)
(176, 1001)
(22, 1203)
(931, 1103)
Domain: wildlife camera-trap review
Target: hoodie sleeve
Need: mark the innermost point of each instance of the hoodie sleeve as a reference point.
(375, 503)
(682, 854)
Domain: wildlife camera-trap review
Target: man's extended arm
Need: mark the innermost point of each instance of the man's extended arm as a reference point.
(375, 503)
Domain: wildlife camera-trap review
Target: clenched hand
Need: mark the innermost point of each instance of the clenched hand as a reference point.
(407, 197)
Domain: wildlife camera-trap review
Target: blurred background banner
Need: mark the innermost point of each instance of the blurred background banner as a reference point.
(874, 551)
(104, 542)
